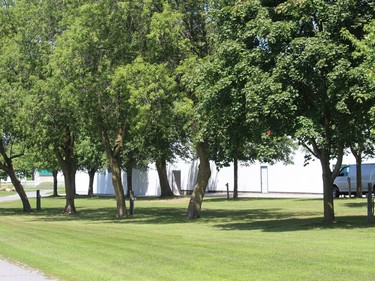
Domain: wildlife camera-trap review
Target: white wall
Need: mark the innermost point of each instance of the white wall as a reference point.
(281, 178)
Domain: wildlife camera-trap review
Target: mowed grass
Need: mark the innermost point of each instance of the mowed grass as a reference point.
(6, 193)
(247, 239)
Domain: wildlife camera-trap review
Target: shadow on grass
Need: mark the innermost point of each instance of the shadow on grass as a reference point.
(298, 224)
(226, 219)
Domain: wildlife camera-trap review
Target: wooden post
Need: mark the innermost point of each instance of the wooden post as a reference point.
(227, 185)
(369, 203)
(38, 198)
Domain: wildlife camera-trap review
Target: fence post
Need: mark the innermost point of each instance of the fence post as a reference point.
(38, 199)
(227, 185)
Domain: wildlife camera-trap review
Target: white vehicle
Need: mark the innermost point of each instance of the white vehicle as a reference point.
(348, 177)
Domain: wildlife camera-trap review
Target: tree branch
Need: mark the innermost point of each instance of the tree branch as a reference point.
(16, 155)
(310, 150)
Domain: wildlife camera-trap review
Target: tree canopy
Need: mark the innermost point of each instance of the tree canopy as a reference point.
(145, 81)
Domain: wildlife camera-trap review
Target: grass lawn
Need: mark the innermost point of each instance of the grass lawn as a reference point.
(7, 193)
(248, 239)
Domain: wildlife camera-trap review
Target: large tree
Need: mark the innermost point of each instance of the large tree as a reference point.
(364, 146)
(90, 158)
(234, 135)
(194, 30)
(53, 112)
(104, 36)
(159, 120)
(315, 71)
(153, 94)
(296, 71)
(14, 83)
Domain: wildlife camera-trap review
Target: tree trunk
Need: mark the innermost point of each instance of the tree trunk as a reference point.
(329, 213)
(70, 190)
(7, 166)
(113, 155)
(358, 159)
(54, 174)
(129, 179)
(67, 162)
(19, 188)
(204, 174)
(165, 189)
(328, 178)
(91, 173)
(235, 183)
(119, 189)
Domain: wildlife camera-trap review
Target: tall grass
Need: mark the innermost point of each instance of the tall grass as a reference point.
(247, 239)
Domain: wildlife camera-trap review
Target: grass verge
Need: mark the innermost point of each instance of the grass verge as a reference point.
(247, 239)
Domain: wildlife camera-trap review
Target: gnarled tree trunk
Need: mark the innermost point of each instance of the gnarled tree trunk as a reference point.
(204, 174)
(165, 189)
(114, 160)
(117, 184)
(7, 166)
(19, 188)
(67, 162)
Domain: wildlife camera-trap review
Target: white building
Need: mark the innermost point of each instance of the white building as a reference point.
(257, 177)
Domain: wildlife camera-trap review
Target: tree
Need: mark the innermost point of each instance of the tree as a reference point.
(165, 138)
(296, 72)
(12, 96)
(44, 159)
(54, 114)
(194, 31)
(101, 38)
(90, 158)
(235, 136)
(365, 48)
(318, 85)
(152, 93)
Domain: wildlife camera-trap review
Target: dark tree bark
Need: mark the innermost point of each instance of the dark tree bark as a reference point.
(7, 166)
(114, 160)
(328, 177)
(329, 213)
(165, 189)
(358, 159)
(19, 188)
(67, 162)
(129, 178)
(117, 184)
(204, 174)
(70, 188)
(91, 173)
(54, 174)
(235, 183)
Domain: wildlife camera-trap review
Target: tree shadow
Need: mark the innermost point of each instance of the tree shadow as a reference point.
(298, 224)
(263, 219)
(356, 204)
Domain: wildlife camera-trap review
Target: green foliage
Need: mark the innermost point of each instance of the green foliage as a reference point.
(225, 85)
